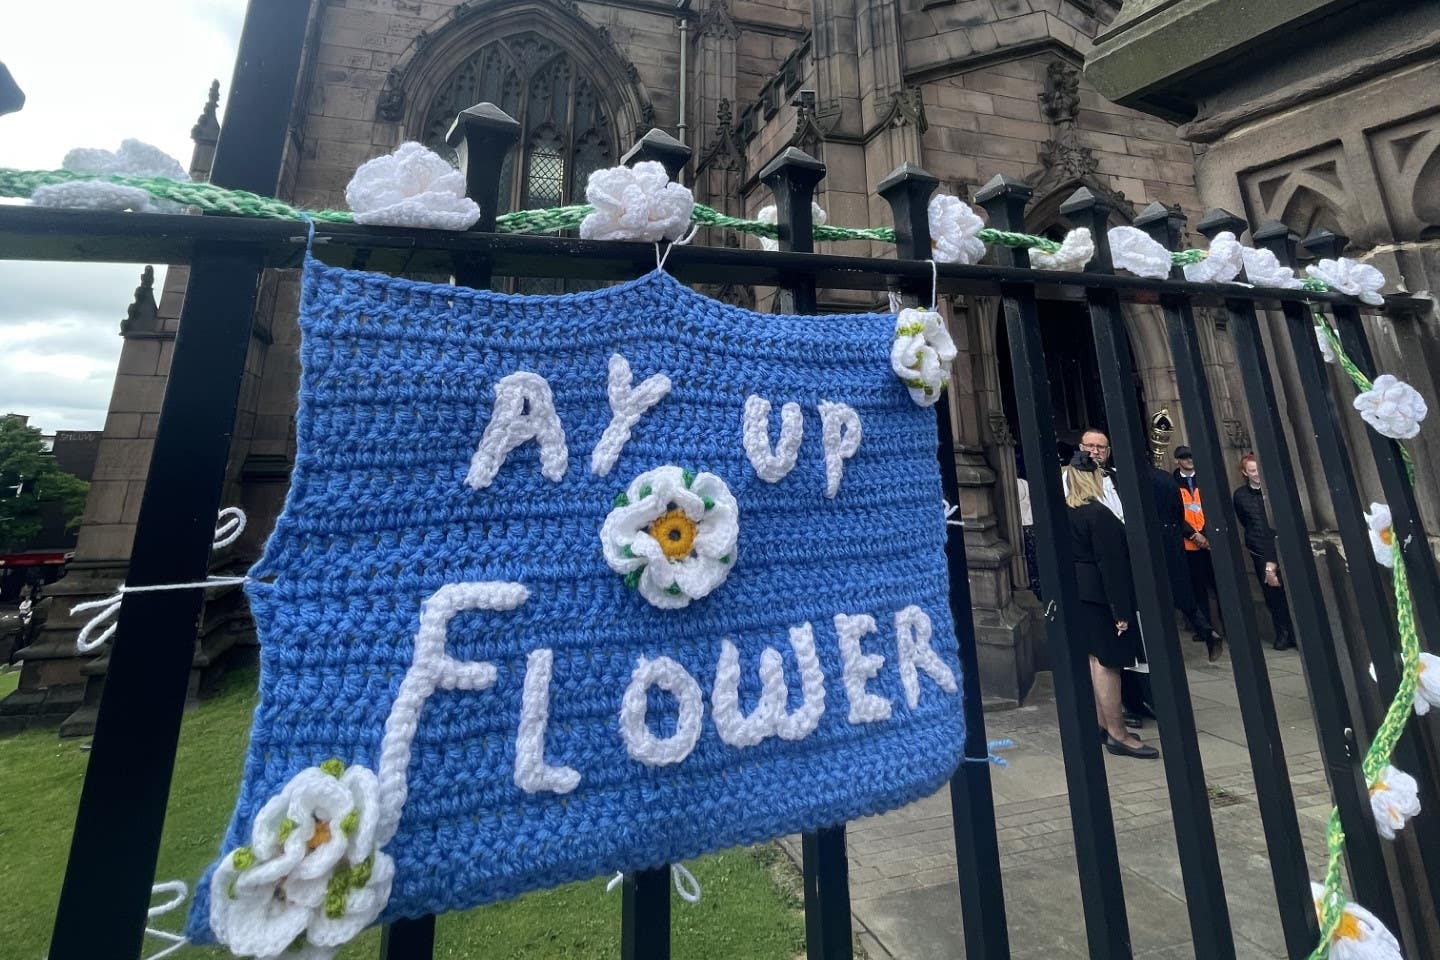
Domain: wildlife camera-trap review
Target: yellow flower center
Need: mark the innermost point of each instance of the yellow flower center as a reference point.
(675, 532)
(1349, 928)
(1377, 786)
(1387, 536)
(321, 836)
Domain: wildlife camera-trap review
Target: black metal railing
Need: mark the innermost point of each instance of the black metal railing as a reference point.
(122, 808)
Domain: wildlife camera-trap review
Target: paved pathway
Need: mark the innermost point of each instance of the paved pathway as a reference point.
(902, 865)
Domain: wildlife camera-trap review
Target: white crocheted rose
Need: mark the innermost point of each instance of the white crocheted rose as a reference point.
(769, 214)
(1222, 261)
(1392, 407)
(412, 187)
(636, 203)
(1350, 277)
(1076, 250)
(1263, 269)
(133, 159)
(311, 867)
(1133, 249)
(1360, 936)
(672, 534)
(1394, 800)
(1382, 534)
(922, 353)
(953, 229)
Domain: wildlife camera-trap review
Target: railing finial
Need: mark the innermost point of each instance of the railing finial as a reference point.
(481, 136)
(1085, 208)
(659, 146)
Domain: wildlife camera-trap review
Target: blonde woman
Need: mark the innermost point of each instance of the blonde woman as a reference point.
(1107, 599)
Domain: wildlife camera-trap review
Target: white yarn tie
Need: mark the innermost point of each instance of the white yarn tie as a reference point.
(686, 886)
(231, 525)
(895, 302)
(934, 286)
(661, 258)
(109, 606)
(179, 894)
(950, 510)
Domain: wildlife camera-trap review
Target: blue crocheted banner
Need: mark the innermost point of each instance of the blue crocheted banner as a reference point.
(568, 585)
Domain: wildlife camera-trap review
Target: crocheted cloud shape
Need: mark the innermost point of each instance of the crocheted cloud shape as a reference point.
(556, 614)
(412, 187)
(134, 159)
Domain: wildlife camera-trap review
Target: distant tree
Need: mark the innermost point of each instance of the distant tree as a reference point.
(28, 478)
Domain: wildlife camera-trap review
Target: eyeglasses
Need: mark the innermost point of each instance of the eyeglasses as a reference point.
(1095, 447)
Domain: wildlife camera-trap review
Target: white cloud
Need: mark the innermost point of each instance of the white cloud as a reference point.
(140, 69)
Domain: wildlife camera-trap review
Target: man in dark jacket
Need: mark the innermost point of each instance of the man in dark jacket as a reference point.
(1260, 544)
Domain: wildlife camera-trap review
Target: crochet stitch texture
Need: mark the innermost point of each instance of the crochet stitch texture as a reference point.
(398, 387)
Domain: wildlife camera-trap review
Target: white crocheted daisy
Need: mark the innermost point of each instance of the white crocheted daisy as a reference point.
(1361, 935)
(1263, 269)
(636, 203)
(922, 353)
(1134, 250)
(1393, 407)
(1076, 250)
(1394, 800)
(1351, 277)
(412, 187)
(953, 230)
(1222, 261)
(672, 534)
(311, 866)
(769, 214)
(1382, 534)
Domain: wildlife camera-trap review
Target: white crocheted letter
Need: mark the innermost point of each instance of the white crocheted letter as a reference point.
(801, 722)
(859, 667)
(912, 636)
(524, 410)
(532, 773)
(735, 728)
(643, 745)
(840, 434)
(771, 465)
(626, 407)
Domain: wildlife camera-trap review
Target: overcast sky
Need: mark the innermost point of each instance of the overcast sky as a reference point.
(136, 69)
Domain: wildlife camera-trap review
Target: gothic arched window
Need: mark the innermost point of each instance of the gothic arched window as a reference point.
(564, 130)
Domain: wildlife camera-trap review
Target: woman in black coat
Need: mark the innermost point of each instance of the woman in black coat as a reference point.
(1107, 600)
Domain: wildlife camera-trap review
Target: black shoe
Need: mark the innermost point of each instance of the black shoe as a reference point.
(1134, 721)
(1142, 752)
(1214, 646)
(1285, 641)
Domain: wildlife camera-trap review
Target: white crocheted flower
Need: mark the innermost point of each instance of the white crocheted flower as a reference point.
(1327, 349)
(672, 534)
(636, 203)
(769, 214)
(1392, 407)
(953, 229)
(1263, 269)
(1133, 249)
(1350, 277)
(1360, 936)
(1394, 799)
(133, 159)
(1076, 250)
(921, 353)
(1382, 534)
(311, 867)
(412, 187)
(1222, 261)
(1427, 683)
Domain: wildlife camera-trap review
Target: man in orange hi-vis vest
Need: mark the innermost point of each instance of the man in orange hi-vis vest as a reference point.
(1197, 546)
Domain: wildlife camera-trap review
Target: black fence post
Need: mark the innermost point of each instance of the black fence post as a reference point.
(1150, 564)
(1101, 890)
(792, 177)
(972, 802)
(659, 146)
(1318, 652)
(113, 851)
(1275, 797)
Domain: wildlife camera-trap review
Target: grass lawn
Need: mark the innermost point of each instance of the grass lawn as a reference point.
(751, 906)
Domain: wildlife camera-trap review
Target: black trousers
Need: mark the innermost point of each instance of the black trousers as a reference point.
(1202, 582)
(1274, 601)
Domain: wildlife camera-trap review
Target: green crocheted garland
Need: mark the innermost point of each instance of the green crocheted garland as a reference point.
(1382, 747)
(213, 199)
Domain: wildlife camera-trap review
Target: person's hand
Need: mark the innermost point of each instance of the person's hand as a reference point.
(1121, 626)
(1272, 577)
(1200, 541)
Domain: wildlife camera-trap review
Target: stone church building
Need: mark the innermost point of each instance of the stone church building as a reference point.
(965, 89)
